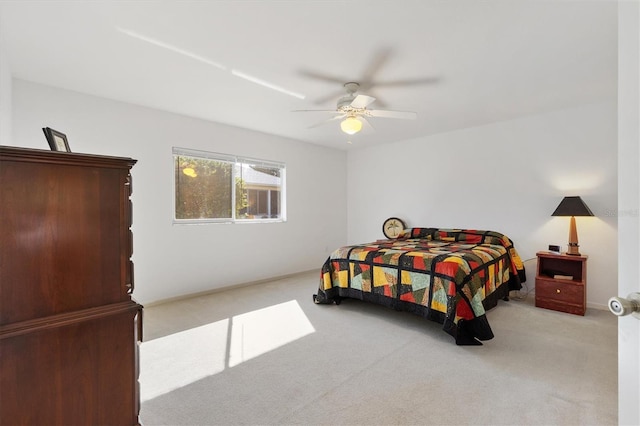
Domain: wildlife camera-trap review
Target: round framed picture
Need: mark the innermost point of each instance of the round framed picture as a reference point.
(392, 227)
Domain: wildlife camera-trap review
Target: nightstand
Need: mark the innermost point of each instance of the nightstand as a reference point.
(561, 282)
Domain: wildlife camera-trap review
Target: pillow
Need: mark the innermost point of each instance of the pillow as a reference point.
(425, 233)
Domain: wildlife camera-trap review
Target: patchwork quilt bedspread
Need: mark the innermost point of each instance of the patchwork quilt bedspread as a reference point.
(451, 276)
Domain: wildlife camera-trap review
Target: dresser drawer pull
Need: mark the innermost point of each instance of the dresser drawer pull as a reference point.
(558, 290)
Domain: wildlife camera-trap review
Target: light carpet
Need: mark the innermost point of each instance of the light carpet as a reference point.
(265, 354)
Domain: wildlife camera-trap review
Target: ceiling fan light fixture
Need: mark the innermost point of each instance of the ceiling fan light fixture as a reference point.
(351, 125)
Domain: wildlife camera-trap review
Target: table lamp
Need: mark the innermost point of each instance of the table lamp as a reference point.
(572, 206)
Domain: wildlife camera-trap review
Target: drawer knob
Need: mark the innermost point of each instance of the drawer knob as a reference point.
(557, 290)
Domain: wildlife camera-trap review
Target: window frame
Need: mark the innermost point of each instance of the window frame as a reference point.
(235, 160)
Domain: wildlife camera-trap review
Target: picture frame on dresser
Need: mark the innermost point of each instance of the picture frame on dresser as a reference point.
(57, 140)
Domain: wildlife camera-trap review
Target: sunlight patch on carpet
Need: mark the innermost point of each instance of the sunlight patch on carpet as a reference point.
(258, 332)
(176, 360)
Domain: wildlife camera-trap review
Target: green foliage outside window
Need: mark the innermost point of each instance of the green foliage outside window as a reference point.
(203, 189)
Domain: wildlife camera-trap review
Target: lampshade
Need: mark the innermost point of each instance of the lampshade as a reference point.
(572, 206)
(351, 125)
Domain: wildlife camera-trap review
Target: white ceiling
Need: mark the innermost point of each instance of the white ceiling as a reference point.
(477, 61)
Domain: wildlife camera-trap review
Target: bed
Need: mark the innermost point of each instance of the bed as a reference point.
(451, 276)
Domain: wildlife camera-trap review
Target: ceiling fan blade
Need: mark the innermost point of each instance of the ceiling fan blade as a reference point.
(329, 97)
(407, 82)
(366, 123)
(380, 58)
(361, 101)
(379, 102)
(323, 77)
(332, 111)
(407, 115)
(337, 117)
(327, 78)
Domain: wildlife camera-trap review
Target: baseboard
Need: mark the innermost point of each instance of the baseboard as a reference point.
(598, 306)
(225, 288)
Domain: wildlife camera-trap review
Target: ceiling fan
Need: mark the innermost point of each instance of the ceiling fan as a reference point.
(368, 79)
(352, 110)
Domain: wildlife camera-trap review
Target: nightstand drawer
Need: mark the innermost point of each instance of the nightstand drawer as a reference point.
(569, 292)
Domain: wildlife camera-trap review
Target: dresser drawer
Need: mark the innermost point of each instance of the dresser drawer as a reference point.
(560, 291)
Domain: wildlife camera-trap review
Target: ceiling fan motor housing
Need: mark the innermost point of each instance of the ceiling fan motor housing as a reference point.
(345, 101)
(351, 87)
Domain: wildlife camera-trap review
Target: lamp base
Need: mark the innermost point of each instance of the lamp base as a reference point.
(573, 249)
(573, 238)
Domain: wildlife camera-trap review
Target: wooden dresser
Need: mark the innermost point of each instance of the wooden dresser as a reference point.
(69, 329)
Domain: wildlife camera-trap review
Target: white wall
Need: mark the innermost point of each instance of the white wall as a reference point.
(514, 175)
(172, 260)
(507, 177)
(5, 94)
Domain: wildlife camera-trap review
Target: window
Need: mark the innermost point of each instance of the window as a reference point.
(212, 187)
